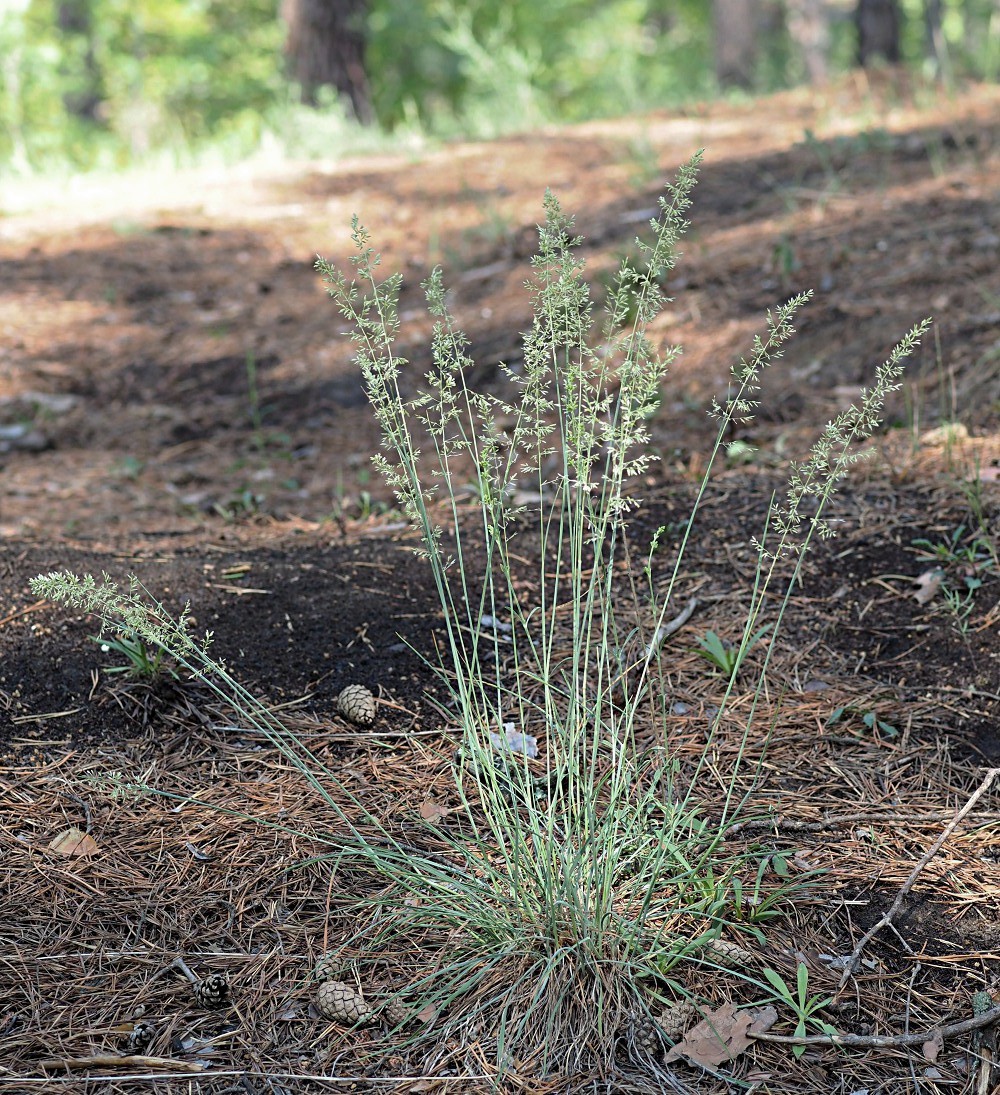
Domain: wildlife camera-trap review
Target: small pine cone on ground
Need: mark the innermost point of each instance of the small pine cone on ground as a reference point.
(140, 1037)
(728, 954)
(342, 1003)
(327, 968)
(357, 704)
(646, 1037)
(212, 991)
(674, 1021)
(395, 1013)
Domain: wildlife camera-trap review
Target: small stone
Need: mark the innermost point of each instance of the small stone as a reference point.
(357, 704)
(213, 991)
(343, 1003)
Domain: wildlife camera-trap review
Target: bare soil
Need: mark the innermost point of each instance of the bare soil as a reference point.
(178, 401)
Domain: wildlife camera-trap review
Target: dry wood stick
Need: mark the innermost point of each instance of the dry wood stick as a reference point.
(104, 1060)
(952, 825)
(882, 1041)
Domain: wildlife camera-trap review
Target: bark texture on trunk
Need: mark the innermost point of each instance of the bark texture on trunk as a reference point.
(325, 47)
(736, 45)
(808, 24)
(878, 25)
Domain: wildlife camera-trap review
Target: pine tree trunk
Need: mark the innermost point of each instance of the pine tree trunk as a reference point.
(325, 47)
(808, 24)
(878, 26)
(74, 18)
(736, 45)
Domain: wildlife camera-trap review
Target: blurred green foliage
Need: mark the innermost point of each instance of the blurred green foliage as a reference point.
(127, 78)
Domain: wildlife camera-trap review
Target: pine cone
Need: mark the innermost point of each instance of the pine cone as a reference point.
(395, 1013)
(357, 705)
(327, 968)
(140, 1037)
(674, 1021)
(645, 1037)
(212, 991)
(341, 1002)
(728, 954)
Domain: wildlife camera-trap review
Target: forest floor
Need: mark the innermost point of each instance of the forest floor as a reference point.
(178, 401)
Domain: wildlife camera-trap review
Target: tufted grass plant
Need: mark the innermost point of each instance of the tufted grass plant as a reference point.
(582, 887)
(553, 912)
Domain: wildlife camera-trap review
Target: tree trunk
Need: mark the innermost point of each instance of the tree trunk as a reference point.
(75, 20)
(878, 25)
(937, 48)
(736, 45)
(808, 24)
(325, 47)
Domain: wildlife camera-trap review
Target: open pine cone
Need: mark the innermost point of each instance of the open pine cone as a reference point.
(342, 1003)
(357, 704)
(139, 1038)
(213, 991)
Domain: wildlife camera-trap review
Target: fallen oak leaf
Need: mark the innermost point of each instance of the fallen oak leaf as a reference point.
(722, 1035)
(74, 842)
(432, 811)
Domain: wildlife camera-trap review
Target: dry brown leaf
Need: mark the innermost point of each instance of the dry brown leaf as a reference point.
(74, 842)
(928, 585)
(933, 1046)
(722, 1035)
(432, 811)
(427, 1014)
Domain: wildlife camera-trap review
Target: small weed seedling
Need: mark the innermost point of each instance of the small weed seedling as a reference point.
(141, 663)
(958, 549)
(804, 1005)
(868, 717)
(962, 558)
(727, 657)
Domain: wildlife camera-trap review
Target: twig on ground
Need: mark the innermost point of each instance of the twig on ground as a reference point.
(883, 1041)
(664, 631)
(18, 613)
(790, 825)
(981, 790)
(106, 1060)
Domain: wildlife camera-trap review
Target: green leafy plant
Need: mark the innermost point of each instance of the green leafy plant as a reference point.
(867, 716)
(802, 1004)
(727, 657)
(141, 662)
